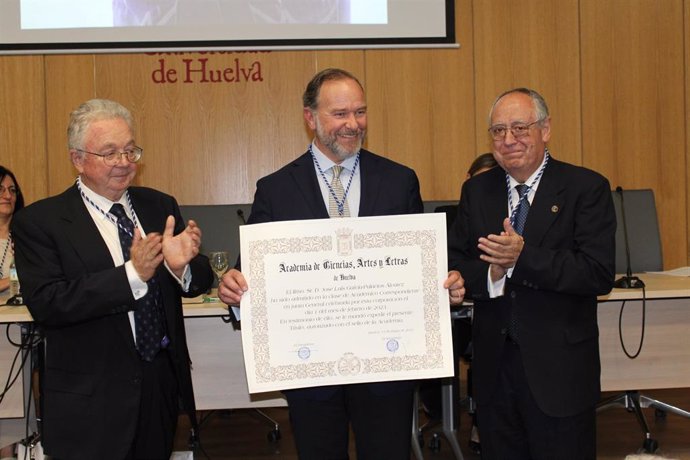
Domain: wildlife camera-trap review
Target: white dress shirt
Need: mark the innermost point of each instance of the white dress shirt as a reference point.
(497, 288)
(111, 237)
(353, 193)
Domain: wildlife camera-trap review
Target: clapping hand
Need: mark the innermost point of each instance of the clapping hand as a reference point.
(180, 249)
(501, 251)
(146, 254)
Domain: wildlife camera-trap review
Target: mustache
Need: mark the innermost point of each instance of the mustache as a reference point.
(350, 132)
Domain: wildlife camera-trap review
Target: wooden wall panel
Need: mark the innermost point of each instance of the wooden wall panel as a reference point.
(213, 124)
(633, 105)
(686, 23)
(207, 142)
(616, 76)
(22, 123)
(415, 116)
(350, 60)
(421, 109)
(69, 82)
(531, 43)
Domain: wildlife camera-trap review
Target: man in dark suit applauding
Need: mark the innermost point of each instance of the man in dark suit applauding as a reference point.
(103, 266)
(534, 277)
(337, 178)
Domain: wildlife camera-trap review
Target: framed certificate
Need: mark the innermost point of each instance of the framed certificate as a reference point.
(353, 300)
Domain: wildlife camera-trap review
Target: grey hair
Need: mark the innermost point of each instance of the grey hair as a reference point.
(540, 107)
(88, 112)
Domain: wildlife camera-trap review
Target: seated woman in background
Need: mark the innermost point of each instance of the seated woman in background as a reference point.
(11, 201)
(482, 163)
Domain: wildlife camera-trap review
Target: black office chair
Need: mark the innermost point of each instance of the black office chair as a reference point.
(643, 231)
(644, 242)
(220, 226)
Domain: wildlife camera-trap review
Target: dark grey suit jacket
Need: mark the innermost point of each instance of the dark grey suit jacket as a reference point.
(567, 261)
(92, 378)
(293, 193)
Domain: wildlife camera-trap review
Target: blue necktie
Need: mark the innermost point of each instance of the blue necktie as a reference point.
(147, 320)
(520, 219)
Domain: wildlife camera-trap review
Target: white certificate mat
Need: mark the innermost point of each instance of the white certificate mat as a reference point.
(353, 300)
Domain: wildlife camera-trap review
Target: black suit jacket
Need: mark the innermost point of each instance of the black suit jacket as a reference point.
(92, 379)
(567, 261)
(293, 193)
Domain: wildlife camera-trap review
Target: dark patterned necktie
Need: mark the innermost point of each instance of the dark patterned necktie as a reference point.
(520, 219)
(147, 321)
(522, 209)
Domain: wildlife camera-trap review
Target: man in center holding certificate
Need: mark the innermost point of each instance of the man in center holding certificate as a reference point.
(337, 178)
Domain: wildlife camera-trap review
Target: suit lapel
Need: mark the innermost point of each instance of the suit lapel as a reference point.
(83, 233)
(150, 216)
(304, 175)
(370, 183)
(306, 181)
(87, 242)
(548, 202)
(495, 200)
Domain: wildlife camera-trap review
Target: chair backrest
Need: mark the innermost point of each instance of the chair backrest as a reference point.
(449, 208)
(431, 206)
(220, 226)
(220, 223)
(643, 231)
(642, 222)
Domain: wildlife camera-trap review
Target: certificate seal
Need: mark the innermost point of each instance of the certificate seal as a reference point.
(392, 345)
(349, 364)
(344, 241)
(304, 353)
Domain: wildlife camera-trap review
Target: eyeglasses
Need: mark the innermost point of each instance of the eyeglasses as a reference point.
(518, 130)
(12, 189)
(111, 158)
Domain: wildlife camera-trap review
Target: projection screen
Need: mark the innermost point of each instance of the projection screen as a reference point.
(87, 26)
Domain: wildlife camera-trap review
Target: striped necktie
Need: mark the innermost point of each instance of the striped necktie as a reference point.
(339, 191)
(520, 220)
(148, 323)
(522, 209)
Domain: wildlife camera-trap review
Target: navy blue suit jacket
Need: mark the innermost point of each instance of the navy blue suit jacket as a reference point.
(293, 193)
(91, 384)
(567, 261)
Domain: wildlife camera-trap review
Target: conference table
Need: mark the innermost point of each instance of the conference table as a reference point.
(664, 360)
(218, 374)
(214, 345)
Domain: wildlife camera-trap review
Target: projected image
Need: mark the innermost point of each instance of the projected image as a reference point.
(54, 26)
(38, 14)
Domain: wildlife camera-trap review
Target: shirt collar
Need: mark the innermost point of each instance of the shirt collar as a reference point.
(326, 163)
(530, 179)
(101, 201)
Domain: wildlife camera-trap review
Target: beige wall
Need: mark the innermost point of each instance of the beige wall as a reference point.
(616, 75)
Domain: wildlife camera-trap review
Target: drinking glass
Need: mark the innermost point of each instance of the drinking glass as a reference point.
(219, 261)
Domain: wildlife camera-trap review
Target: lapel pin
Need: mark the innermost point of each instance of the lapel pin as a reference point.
(554, 209)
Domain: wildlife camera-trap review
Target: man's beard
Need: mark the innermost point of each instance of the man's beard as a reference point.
(331, 142)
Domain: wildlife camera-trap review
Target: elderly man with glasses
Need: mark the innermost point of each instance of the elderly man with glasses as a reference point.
(534, 240)
(102, 267)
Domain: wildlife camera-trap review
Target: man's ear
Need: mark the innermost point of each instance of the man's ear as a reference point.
(77, 159)
(546, 130)
(310, 118)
